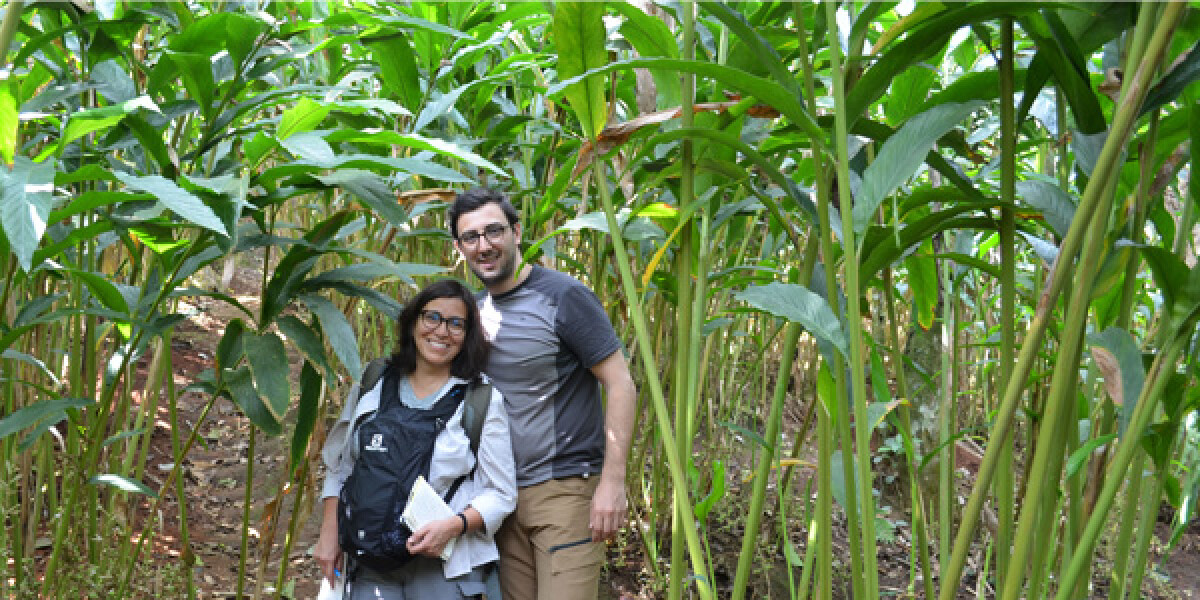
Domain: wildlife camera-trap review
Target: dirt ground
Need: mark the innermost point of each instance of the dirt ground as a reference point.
(215, 476)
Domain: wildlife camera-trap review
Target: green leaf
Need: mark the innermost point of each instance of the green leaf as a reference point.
(28, 359)
(196, 70)
(651, 37)
(924, 283)
(1120, 362)
(1182, 74)
(1080, 456)
(1157, 441)
(306, 414)
(579, 38)
(304, 116)
(104, 290)
(1057, 206)
(309, 146)
(46, 411)
(412, 140)
(230, 348)
(372, 189)
(798, 304)
(26, 196)
(909, 93)
(398, 68)
(87, 121)
(123, 483)
(298, 262)
(243, 393)
(764, 90)
(337, 330)
(705, 506)
(269, 366)
(902, 153)
(746, 433)
(180, 201)
(1170, 274)
(8, 120)
(306, 340)
(376, 270)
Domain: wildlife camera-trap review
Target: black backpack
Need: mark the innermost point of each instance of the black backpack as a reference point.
(395, 446)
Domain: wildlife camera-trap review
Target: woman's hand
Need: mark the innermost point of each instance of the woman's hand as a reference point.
(431, 539)
(328, 553)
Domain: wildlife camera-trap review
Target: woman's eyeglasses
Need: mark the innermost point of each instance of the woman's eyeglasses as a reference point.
(432, 319)
(494, 234)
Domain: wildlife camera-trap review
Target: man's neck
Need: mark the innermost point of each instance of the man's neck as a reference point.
(509, 285)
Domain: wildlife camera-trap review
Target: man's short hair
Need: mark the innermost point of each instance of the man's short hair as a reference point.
(475, 198)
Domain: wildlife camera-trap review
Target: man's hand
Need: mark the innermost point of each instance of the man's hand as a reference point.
(431, 539)
(608, 510)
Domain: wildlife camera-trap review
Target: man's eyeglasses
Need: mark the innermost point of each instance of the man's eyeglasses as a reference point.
(494, 233)
(432, 319)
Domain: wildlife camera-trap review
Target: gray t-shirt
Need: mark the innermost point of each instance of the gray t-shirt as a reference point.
(546, 334)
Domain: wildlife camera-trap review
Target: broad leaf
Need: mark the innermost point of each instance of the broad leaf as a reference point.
(412, 140)
(306, 413)
(306, 340)
(1120, 361)
(84, 122)
(763, 89)
(26, 196)
(924, 282)
(1182, 74)
(397, 68)
(230, 348)
(370, 188)
(180, 201)
(304, 116)
(902, 154)
(797, 303)
(309, 146)
(269, 366)
(579, 37)
(51, 411)
(1056, 205)
(337, 330)
(241, 389)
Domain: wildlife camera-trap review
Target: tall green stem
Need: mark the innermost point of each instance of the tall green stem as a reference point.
(1094, 198)
(762, 471)
(853, 319)
(703, 579)
(683, 306)
(1004, 488)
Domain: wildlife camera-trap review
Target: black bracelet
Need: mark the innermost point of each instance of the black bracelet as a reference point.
(464, 520)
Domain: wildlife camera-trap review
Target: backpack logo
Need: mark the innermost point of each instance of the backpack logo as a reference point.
(376, 444)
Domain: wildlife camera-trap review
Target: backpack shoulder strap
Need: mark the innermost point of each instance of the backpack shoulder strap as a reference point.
(475, 409)
(371, 376)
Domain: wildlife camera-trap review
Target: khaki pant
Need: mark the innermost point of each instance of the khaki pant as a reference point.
(546, 547)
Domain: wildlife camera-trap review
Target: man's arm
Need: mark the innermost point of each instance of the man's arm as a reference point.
(609, 504)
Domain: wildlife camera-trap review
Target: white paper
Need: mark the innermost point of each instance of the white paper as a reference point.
(331, 593)
(425, 506)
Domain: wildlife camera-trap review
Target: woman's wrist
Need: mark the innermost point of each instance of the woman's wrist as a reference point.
(463, 517)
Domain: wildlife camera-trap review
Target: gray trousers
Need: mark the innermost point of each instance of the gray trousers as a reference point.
(421, 578)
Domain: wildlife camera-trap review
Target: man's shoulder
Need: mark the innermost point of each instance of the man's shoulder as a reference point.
(552, 282)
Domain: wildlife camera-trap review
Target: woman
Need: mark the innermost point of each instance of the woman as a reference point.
(441, 347)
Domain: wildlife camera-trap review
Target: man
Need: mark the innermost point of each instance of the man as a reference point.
(553, 348)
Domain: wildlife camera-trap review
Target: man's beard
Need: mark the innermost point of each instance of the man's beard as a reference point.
(507, 269)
